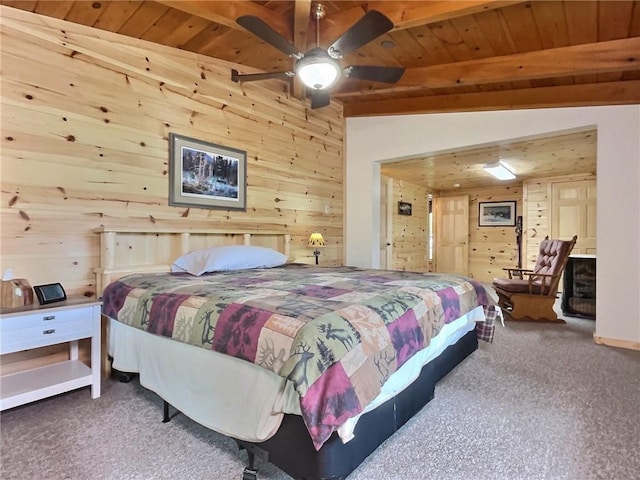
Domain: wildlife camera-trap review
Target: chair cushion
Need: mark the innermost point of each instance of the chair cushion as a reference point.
(517, 286)
(551, 255)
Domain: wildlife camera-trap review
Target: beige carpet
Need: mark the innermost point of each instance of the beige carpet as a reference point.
(541, 402)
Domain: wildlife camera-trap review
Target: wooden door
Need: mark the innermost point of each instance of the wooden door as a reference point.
(573, 212)
(386, 222)
(452, 234)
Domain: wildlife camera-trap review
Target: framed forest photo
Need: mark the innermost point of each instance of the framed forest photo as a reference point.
(206, 175)
(497, 214)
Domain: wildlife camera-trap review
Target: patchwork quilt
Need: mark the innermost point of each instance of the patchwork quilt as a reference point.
(337, 333)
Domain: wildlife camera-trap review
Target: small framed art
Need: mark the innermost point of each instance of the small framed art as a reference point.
(497, 214)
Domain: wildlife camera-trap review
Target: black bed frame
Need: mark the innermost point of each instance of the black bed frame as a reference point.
(292, 450)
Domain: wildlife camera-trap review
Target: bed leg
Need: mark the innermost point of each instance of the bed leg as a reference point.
(165, 412)
(250, 472)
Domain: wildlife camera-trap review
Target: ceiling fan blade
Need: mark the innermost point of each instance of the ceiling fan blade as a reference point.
(374, 74)
(370, 26)
(319, 100)
(263, 31)
(251, 77)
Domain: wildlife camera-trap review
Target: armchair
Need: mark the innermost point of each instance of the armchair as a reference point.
(531, 294)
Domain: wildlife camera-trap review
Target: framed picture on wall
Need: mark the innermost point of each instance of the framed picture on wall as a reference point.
(497, 214)
(206, 175)
(404, 208)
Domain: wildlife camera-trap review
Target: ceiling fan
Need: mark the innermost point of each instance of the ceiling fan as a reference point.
(319, 69)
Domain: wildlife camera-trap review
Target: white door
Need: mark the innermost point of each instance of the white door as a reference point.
(452, 234)
(573, 212)
(386, 222)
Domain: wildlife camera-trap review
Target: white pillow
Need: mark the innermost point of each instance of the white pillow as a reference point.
(229, 257)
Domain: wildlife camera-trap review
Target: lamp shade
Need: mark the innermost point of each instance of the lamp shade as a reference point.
(316, 240)
(317, 70)
(499, 170)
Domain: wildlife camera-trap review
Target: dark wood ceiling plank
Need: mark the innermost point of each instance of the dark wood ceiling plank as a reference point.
(522, 28)
(185, 32)
(226, 12)
(143, 19)
(413, 14)
(54, 8)
(204, 37)
(406, 14)
(634, 28)
(613, 93)
(115, 15)
(602, 57)
(85, 13)
(407, 50)
(614, 19)
(436, 53)
(472, 35)
(452, 41)
(21, 4)
(551, 23)
(582, 21)
(494, 28)
(171, 20)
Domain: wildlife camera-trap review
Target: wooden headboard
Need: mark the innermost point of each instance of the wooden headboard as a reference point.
(131, 250)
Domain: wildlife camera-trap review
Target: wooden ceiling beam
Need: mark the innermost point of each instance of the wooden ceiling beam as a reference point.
(593, 58)
(610, 93)
(301, 18)
(225, 13)
(406, 14)
(410, 14)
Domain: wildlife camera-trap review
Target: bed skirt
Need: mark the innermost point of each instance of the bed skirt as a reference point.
(291, 449)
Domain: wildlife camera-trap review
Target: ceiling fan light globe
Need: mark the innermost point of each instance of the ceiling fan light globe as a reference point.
(317, 70)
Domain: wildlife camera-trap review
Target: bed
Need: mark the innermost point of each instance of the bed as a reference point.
(308, 367)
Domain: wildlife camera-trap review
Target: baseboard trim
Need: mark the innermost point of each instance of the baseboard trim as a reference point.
(616, 342)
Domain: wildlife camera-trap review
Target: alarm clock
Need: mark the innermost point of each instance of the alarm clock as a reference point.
(50, 293)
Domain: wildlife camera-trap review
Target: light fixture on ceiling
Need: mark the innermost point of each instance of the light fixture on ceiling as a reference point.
(499, 170)
(318, 70)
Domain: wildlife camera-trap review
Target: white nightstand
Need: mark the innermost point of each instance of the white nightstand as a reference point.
(42, 325)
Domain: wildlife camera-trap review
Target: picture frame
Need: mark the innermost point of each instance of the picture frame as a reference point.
(404, 208)
(497, 214)
(206, 175)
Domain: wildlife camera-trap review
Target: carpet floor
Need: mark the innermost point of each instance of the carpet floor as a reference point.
(541, 402)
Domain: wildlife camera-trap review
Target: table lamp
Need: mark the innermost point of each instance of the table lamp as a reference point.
(316, 240)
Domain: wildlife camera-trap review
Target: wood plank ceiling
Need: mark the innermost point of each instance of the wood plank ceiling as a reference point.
(460, 55)
(567, 153)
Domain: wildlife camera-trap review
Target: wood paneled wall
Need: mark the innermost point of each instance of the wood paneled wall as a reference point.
(85, 120)
(410, 233)
(490, 248)
(537, 216)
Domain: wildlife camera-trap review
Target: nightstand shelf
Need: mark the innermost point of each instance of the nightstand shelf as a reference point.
(37, 326)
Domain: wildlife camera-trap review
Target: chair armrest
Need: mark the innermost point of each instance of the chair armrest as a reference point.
(547, 280)
(518, 272)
